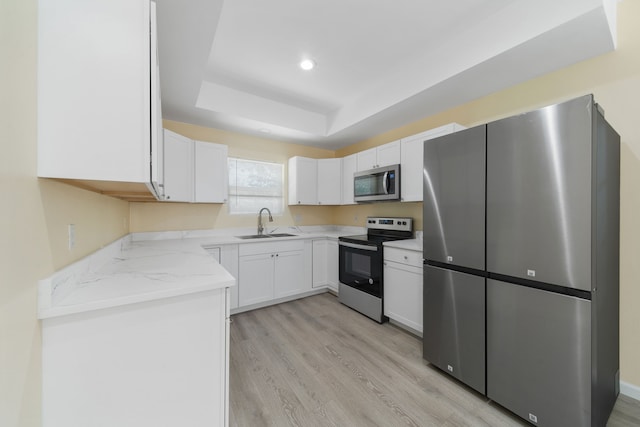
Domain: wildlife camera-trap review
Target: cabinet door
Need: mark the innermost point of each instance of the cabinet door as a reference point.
(255, 279)
(178, 167)
(94, 104)
(411, 169)
(211, 175)
(320, 270)
(289, 274)
(332, 264)
(403, 294)
(367, 159)
(303, 181)
(229, 260)
(329, 181)
(349, 167)
(388, 154)
(157, 135)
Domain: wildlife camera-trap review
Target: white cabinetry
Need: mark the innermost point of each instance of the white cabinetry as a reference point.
(320, 268)
(332, 264)
(210, 172)
(194, 171)
(411, 164)
(349, 167)
(178, 167)
(325, 264)
(98, 91)
(383, 155)
(315, 181)
(156, 363)
(329, 181)
(272, 270)
(227, 256)
(403, 287)
(303, 181)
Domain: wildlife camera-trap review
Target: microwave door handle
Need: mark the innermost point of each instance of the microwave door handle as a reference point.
(385, 180)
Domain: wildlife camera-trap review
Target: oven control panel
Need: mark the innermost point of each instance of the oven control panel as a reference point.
(389, 223)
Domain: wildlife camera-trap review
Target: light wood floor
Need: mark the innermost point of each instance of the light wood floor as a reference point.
(315, 362)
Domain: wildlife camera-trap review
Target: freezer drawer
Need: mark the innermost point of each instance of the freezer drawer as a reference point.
(454, 198)
(453, 327)
(539, 354)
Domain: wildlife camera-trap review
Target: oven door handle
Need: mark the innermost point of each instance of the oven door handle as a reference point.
(356, 246)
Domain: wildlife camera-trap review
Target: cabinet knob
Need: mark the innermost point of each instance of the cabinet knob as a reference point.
(406, 257)
(271, 255)
(277, 254)
(168, 197)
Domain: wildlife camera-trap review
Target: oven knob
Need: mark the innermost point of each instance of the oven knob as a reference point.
(370, 281)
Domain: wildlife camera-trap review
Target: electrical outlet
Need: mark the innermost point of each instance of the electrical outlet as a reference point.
(298, 218)
(72, 236)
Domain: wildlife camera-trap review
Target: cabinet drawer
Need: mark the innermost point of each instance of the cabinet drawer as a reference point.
(271, 247)
(413, 258)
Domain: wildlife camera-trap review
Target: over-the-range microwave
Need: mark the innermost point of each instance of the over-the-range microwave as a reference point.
(379, 184)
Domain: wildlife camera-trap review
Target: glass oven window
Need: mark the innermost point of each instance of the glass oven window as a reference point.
(361, 269)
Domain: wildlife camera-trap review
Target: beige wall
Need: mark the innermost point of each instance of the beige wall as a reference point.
(33, 219)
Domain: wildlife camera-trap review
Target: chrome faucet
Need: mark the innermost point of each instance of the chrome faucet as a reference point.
(260, 226)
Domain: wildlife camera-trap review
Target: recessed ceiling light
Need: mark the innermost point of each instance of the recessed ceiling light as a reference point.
(265, 130)
(307, 64)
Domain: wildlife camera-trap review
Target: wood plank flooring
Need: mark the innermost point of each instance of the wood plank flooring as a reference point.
(316, 362)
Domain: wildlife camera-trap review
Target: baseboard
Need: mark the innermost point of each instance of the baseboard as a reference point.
(630, 390)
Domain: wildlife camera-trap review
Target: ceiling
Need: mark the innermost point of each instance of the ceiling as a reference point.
(379, 64)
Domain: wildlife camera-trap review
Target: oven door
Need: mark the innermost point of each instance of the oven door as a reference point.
(360, 266)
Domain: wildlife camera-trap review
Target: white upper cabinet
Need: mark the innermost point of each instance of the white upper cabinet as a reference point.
(349, 167)
(178, 167)
(411, 164)
(383, 155)
(194, 171)
(315, 181)
(211, 173)
(98, 100)
(329, 181)
(303, 181)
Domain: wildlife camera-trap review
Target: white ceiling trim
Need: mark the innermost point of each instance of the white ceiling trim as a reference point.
(516, 42)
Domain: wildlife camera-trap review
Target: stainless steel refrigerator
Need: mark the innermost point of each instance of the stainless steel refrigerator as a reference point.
(521, 248)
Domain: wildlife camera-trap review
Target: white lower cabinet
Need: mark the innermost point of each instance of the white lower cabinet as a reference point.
(403, 287)
(227, 256)
(320, 261)
(267, 271)
(325, 264)
(154, 363)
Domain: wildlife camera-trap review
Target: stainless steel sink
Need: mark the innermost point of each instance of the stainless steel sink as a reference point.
(264, 236)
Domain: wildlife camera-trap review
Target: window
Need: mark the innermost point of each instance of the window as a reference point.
(254, 185)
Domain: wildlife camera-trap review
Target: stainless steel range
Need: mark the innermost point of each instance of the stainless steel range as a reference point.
(360, 266)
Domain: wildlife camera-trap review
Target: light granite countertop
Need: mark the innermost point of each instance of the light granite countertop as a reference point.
(148, 266)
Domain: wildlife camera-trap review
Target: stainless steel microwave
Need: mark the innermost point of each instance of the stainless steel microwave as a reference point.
(379, 184)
